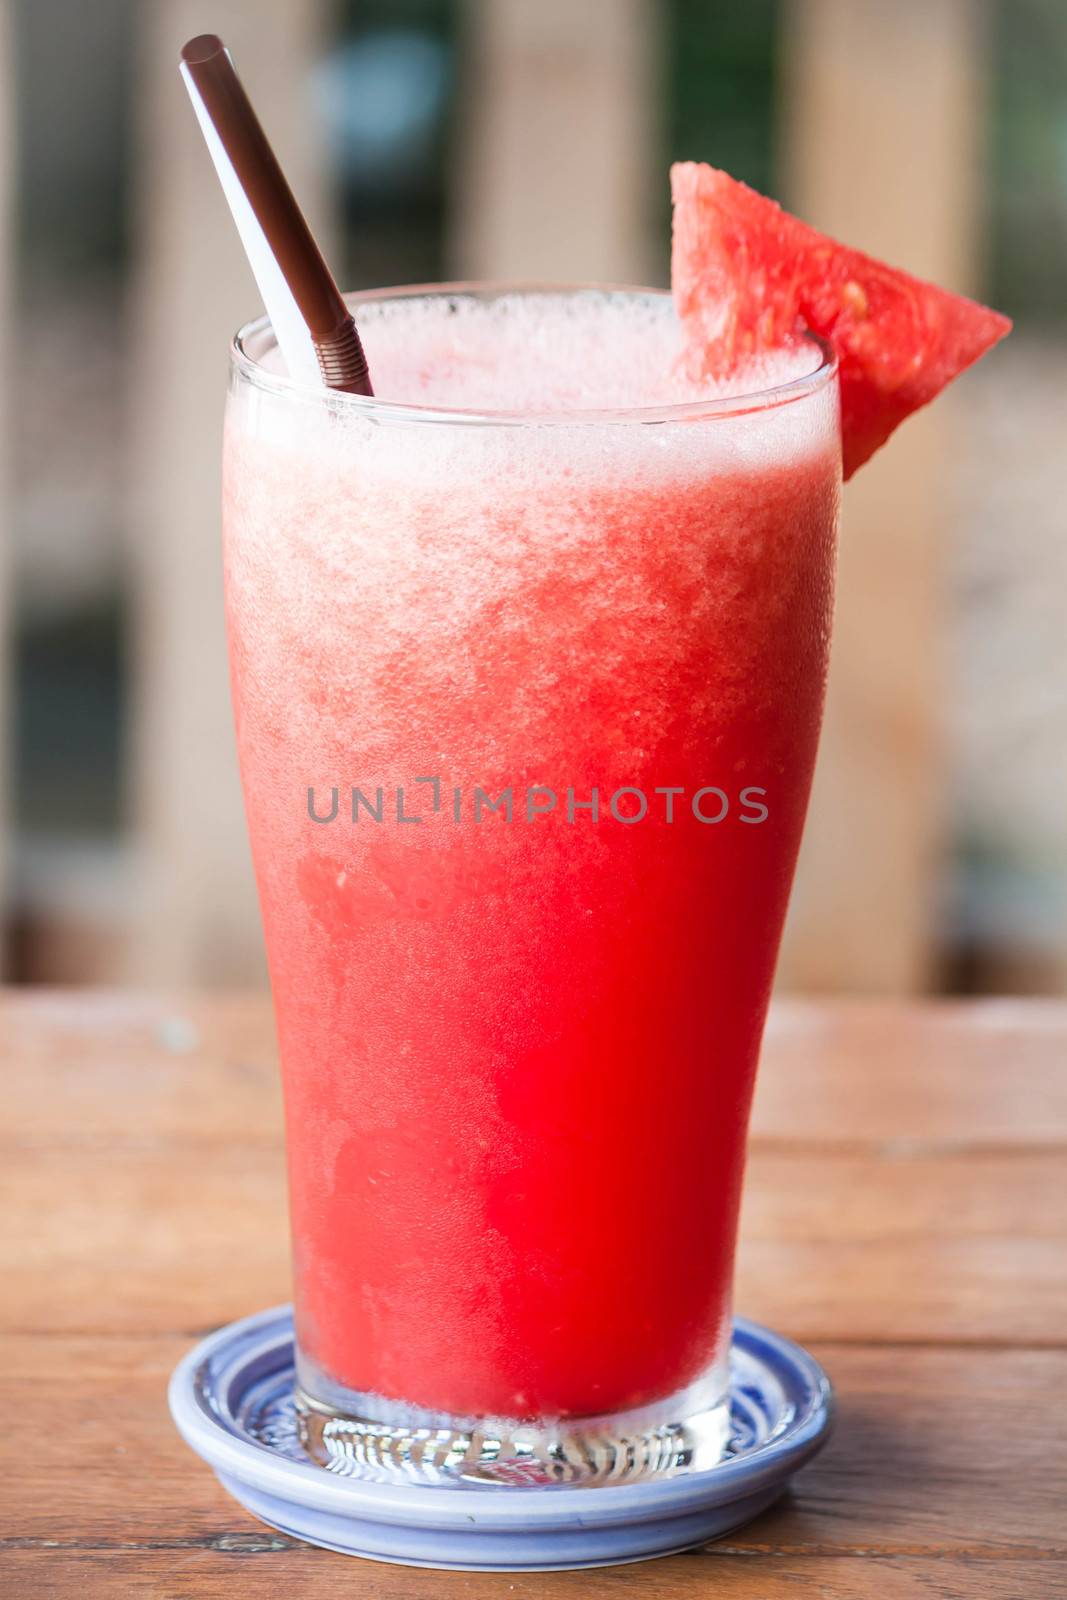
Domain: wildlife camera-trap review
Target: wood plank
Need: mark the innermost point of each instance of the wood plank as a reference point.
(121, 1067)
(258, 1564)
(973, 1072)
(944, 1293)
(924, 1224)
(853, 138)
(966, 1425)
(868, 1246)
(195, 917)
(135, 1241)
(578, 85)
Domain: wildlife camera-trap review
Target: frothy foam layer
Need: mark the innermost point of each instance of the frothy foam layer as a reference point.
(589, 370)
(545, 354)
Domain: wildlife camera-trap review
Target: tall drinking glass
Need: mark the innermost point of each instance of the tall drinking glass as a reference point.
(527, 706)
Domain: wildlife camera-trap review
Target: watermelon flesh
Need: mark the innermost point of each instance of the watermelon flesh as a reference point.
(748, 277)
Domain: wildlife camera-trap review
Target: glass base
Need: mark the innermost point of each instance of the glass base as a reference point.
(686, 1433)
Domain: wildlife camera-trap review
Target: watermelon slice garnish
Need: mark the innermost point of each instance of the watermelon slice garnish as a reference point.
(749, 277)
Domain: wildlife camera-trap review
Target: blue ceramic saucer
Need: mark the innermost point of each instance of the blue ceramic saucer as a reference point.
(232, 1400)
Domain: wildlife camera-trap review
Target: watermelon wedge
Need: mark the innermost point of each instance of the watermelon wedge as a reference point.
(747, 276)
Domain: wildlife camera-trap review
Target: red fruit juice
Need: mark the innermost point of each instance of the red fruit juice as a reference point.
(587, 652)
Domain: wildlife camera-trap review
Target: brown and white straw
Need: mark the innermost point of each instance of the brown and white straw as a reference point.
(314, 328)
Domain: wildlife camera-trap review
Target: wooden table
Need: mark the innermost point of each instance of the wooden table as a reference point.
(905, 1216)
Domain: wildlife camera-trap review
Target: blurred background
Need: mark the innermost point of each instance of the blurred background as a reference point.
(526, 138)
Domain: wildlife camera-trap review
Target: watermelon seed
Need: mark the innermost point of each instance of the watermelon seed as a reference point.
(854, 298)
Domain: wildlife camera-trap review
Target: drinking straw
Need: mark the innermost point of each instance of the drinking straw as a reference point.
(314, 328)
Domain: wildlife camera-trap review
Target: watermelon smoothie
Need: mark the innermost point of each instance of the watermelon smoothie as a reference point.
(528, 659)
